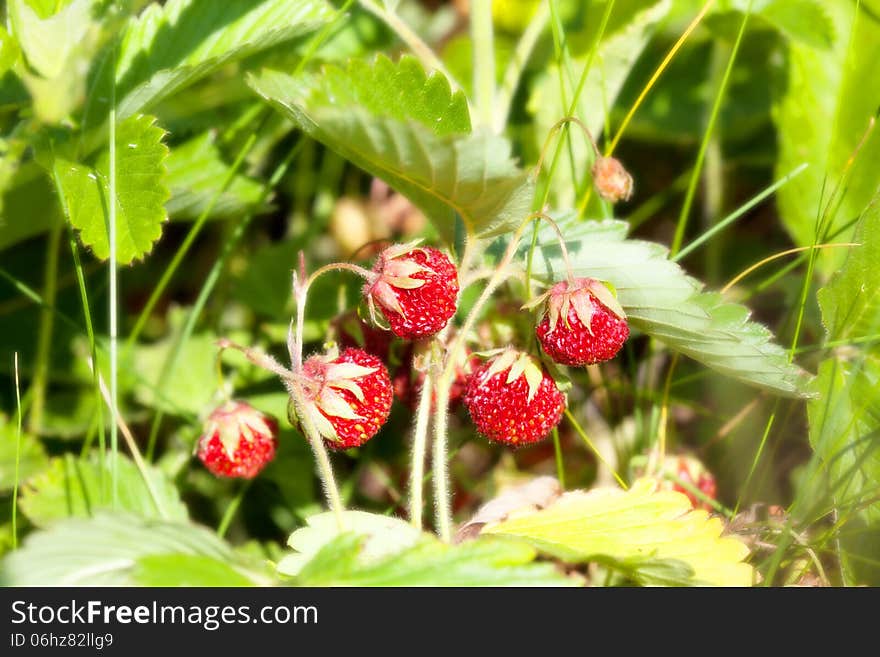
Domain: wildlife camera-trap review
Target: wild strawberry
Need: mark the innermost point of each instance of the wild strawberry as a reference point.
(583, 323)
(513, 400)
(347, 397)
(416, 289)
(238, 441)
(684, 473)
(612, 181)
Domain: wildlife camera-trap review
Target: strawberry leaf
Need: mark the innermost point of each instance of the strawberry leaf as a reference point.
(408, 128)
(660, 299)
(141, 192)
(639, 530)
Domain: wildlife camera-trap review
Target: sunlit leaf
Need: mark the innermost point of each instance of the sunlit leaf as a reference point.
(635, 527)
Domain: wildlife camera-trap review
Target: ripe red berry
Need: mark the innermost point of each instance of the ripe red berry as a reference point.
(416, 288)
(583, 323)
(513, 400)
(348, 397)
(238, 441)
(686, 469)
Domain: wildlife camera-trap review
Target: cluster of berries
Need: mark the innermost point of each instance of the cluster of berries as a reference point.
(512, 398)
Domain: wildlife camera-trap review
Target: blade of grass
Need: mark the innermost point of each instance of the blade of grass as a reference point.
(589, 443)
(736, 214)
(114, 300)
(483, 59)
(229, 514)
(17, 454)
(707, 134)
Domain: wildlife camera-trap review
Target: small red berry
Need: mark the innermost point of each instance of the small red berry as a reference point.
(691, 471)
(238, 441)
(583, 323)
(513, 400)
(612, 181)
(416, 288)
(348, 397)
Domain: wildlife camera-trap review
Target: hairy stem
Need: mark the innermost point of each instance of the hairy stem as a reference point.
(419, 448)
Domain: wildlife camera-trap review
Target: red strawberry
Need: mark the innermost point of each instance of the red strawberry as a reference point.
(348, 397)
(583, 323)
(513, 400)
(689, 470)
(238, 441)
(416, 289)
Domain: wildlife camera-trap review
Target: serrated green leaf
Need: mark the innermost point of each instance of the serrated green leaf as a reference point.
(197, 172)
(186, 570)
(611, 64)
(80, 487)
(661, 300)
(829, 97)
(28, 450)
(141, 192)
(104, 550)
(635, 527)
(172, 45)
(412, 132)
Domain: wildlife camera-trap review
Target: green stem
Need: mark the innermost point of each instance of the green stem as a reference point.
(483, 59)
(560, 466)
(229, 514)
(17, 455)
(419, 448)
(440, 463)
(44, 339)
(589, 443)
(704, 144)
(114, 301)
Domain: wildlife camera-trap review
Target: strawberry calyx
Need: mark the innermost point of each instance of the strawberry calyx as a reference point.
(576, 293)
(236, 421)
(393, 271)
(516, 364)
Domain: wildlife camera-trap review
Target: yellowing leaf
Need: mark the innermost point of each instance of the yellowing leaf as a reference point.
(640, 527)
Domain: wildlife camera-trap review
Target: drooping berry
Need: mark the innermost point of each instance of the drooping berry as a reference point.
(513, 400)
(583, 323)
(416, 288)
(237, 441)
(347, 397)
(612, 181)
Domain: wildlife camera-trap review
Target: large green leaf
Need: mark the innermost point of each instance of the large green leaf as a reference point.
(79, 487)
(141, 192)
(409, 129)
(187, 570)
(845, 420)
(663, 301)
(614, 58)
(824, 111)
(169, 46)
(107, 550)
(197, 173)
(640, 528)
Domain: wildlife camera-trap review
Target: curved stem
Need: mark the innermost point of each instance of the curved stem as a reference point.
(419, 448)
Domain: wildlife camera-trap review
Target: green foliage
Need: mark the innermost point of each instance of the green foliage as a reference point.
(611, 63)
(141, 192)
(187, 570)
(197, 172)
(46, 8)
(845, 420)
(9, 51)
(105, 551)
(168, 47)
(821, 118)
(412, 133)
(664, 302)
(80, 487)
